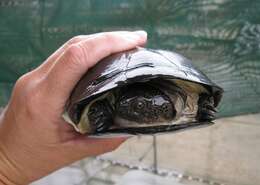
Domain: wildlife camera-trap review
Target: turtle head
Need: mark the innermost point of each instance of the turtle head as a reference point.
(136, 105)
(143, 104)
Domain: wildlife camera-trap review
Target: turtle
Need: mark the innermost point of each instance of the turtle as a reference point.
(142, 91)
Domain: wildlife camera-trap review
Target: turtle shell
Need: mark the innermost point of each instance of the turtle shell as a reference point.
(137, 65)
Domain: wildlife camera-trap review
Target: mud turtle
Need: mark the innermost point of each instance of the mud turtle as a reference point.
(142, 91)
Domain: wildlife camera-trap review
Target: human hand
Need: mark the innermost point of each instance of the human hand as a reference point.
(34, 138)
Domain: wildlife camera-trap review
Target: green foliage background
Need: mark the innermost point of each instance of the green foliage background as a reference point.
(222, 37)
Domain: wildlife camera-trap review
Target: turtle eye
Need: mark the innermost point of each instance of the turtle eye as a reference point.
(139, 105)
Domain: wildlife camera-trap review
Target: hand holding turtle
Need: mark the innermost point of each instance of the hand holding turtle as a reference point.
(34, 138)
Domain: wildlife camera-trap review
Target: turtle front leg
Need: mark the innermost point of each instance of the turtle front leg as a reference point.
(100, 116)
(206, 108)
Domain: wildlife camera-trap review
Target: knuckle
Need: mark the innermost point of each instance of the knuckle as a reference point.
(32, 100)
(74, 50)
(78, 55)
(28, 88)
(22, 82)
(27, 95)
(75, 40)
(108, 37)
(74, 54)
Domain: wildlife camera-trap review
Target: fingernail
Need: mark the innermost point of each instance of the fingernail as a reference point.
(141, 33)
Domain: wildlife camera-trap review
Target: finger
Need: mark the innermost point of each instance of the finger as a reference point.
(78, 58)
(95, 146)
(85, 147)
(46, 65)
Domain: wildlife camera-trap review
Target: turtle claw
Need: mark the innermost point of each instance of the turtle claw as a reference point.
(206, 110)
(100, 115)
(212, 108)
(207, 115)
